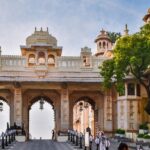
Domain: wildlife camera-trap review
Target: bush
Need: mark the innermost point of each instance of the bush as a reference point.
(141, 135)
(120, 131)
(143, 126)
(146, 136)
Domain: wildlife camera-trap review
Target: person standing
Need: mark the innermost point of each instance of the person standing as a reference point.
(53, 134)
(102, 145)
(107, 143)
(140, 148)
(97, 141)
(91, 141)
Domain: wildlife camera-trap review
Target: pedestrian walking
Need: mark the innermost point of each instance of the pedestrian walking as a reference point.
(123, 146)
(102, 145)
(107, 143)
(140, 147)
(97, 141)
(91, 141)
(53, 134)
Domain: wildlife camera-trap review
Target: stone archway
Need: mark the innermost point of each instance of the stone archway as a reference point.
(7, 97)
(41, 118)
(96, 99)
(84, 114)
(31, 96)
(5, 114)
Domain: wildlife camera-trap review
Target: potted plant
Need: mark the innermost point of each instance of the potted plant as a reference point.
(147, 138)
(143, 128)
(120, 132)
(140, 137)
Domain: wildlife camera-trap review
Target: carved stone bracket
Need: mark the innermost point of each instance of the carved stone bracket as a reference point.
(41, 71)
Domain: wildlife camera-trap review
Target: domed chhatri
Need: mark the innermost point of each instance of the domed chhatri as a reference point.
(103, 35)
(41, 38)
(147, 17)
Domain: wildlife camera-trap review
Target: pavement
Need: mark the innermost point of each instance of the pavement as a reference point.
(53, 145)
(40, 145)
(113, 146)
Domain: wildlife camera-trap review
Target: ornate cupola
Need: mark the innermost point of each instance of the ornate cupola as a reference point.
(147, 17)
(41, 49)
(103, 42)
(41, 38)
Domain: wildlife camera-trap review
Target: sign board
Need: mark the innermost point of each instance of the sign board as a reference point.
(86, 139)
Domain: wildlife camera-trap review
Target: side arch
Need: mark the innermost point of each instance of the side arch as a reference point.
(96, 99)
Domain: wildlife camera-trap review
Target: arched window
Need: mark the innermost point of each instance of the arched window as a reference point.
(31, 59)
(41, 58)
(51, 60)
(100, 45)
(131, 89)
(104, 44)
(86, 61)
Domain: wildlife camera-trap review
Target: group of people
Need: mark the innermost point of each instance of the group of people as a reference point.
(102, 142)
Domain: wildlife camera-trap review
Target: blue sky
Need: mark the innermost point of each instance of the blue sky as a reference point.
(75, 23)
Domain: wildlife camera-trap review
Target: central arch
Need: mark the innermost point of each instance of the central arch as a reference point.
(51, 97)
(41, 118)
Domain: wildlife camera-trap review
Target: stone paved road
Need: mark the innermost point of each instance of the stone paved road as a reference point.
(42, 145)
(114, 146)
(50, 145)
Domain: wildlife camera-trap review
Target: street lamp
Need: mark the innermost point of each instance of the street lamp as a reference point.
(86, 105)
(41, 103)
(81, 106)
(1, 106)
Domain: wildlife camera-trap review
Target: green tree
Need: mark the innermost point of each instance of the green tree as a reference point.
(131, 57)
(114, 36)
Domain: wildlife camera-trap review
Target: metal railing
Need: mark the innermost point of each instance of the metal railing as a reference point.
(7, 138)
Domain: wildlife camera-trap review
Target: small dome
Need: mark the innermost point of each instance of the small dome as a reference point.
(41, 38)
(103, 35)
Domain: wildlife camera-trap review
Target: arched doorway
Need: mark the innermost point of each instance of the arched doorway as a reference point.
(4, 114)
(41, 118)
(84, 115)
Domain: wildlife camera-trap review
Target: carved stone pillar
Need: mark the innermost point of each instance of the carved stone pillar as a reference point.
(18, 105)
(64, 108)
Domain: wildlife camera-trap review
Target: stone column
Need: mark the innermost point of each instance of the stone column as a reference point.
(108, 112)
(18, 106)
(64, 108)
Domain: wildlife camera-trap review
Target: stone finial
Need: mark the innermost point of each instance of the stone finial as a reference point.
(86, 49)
(126, 31)
(41, 29)
(102, 32)
(47, 29)
(35, 29)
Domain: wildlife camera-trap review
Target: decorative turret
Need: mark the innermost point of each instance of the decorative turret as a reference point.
(86, 56)
(103, 42)
(41, 38)
(147, 17)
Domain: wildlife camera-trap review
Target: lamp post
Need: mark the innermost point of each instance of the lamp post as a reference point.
(41, 103)
(1, 106)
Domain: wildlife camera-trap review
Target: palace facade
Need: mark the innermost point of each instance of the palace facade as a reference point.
(64, 81)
